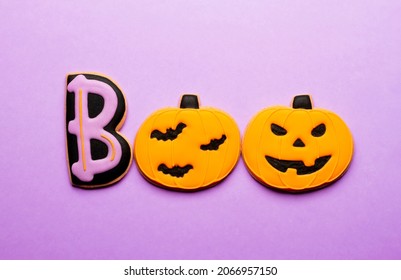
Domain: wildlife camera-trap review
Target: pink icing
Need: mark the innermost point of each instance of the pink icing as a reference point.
(93, 128)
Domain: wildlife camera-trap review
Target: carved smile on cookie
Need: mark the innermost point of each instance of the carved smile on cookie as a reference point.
(302, 169)
(175, 171)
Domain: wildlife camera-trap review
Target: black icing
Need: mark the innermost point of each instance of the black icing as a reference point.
(302, 102)
(98, 149)
(278, 130)
(214, 144)
(283, 165)
(72, 149)
(111, 175)
(175, 171)
(299, 143)
(319, 130)
(95, 104)
(170, 133)
(189, 101)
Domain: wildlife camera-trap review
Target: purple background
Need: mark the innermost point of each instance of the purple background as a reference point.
(239, 56)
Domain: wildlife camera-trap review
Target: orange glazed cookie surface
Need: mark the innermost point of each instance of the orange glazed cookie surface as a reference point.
(297, 149)
(187, 148)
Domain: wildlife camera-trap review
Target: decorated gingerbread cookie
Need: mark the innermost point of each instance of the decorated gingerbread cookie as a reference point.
(297, 149)
(98, 155)
(187, 148)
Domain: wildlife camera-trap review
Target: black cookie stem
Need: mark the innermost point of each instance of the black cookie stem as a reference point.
(302, 102)
(189, 101)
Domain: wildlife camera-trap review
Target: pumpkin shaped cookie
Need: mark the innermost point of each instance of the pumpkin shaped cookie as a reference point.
(187, 148)
(297, 149)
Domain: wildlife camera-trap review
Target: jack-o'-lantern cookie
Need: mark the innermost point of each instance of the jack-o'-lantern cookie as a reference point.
(98, 155)
(297, 149)
(187, 148)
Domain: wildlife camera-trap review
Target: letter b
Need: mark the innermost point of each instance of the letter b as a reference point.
(98, 155)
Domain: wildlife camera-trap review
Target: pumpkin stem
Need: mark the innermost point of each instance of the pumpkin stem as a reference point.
(302, 102)
(189, 101)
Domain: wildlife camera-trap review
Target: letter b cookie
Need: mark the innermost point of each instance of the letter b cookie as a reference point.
(98, 155)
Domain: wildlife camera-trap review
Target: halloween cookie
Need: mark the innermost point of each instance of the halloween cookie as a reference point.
(98, 155)
(187, 148)
(297, 149)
